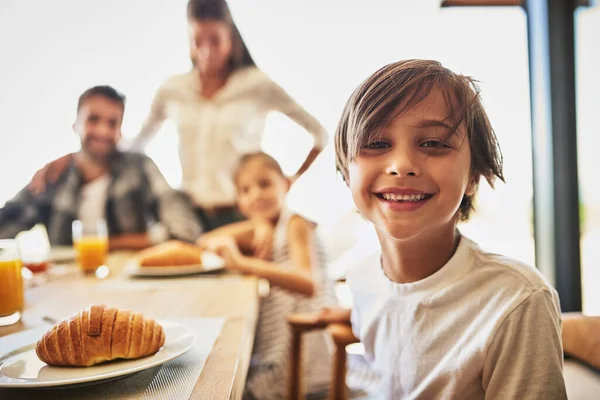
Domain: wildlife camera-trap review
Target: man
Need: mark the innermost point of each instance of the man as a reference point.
(126, 189)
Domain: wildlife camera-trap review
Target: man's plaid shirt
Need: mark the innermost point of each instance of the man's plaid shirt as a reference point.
(138, 196)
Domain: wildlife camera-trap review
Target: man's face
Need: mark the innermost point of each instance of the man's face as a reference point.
(99, 126)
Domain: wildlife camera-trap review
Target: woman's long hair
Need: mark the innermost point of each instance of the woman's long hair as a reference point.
(218, 10)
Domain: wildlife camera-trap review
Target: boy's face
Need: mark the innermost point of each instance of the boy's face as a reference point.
(261, 191)
(412, 179)
(99, 126)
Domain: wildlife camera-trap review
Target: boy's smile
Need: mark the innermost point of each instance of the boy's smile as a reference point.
(407, 199)
(412, 178)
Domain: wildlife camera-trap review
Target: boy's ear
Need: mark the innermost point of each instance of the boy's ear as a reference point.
(472, 186)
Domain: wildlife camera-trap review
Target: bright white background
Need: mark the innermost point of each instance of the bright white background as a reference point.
(318, 50)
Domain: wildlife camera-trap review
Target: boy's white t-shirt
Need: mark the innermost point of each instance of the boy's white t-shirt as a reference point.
(482, 327)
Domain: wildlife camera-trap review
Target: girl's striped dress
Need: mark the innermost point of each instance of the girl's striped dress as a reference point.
(269, 369)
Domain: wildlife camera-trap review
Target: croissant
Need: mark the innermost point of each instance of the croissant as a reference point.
(172, 253)
(100, 334)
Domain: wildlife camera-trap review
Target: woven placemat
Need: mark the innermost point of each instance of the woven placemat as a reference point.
(173, 380)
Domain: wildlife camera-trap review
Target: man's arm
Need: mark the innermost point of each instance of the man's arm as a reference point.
(175, 212)
(19, 214)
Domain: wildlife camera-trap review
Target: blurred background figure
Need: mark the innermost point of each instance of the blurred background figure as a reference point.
(101, 183)
(219, 108)
(282, 247)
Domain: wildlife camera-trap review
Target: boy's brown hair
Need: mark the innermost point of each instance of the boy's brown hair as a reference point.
(374, 104)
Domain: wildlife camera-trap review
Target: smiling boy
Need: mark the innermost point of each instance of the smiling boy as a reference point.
(439, 317)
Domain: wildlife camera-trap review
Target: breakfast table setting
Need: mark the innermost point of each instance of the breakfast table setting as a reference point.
(123, 326)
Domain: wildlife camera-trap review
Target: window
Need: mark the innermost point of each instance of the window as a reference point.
(588, 88)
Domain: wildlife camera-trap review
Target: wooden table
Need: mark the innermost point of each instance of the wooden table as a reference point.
(224, 295)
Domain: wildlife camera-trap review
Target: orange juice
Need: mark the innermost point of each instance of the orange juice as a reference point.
(11, 287)
(91, 253)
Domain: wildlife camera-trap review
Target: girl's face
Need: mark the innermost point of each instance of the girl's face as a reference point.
(261, 190)
(412, 179)
(211, 45)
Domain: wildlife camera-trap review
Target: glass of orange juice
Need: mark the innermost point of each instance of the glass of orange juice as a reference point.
(90, 239)
(11, 283)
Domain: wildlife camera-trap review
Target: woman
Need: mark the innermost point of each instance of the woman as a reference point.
(220, 109)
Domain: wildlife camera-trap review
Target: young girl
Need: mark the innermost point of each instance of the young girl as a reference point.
(439, 317)
(281, 247)
(220, 108)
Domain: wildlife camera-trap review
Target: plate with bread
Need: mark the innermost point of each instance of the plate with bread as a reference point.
(95, 345)
(174, 258)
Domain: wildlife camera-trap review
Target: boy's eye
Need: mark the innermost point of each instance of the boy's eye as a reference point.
(434, 144)
(378, 144)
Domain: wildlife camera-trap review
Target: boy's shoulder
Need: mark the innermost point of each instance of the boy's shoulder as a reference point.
(517, 275)
(506, 284)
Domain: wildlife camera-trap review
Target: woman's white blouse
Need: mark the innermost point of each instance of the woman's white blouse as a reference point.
(214, 133)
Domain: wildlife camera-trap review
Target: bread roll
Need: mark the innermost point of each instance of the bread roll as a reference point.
(98, 334)
(173, 253)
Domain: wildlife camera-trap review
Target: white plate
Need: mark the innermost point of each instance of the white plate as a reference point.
(21, 368)
(210, 263)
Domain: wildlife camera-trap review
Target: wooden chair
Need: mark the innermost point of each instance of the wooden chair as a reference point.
(342, 336)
